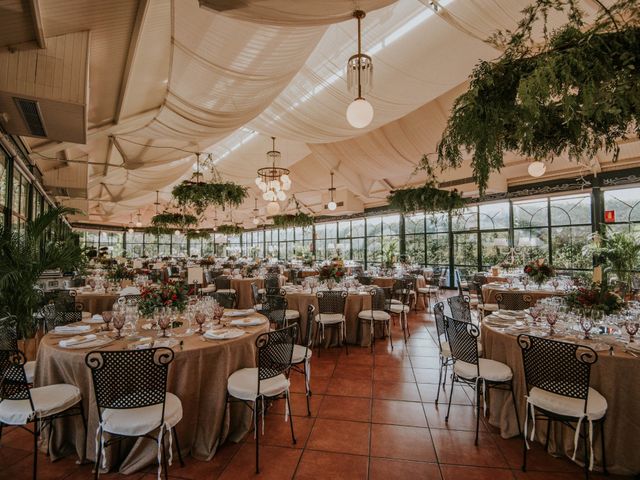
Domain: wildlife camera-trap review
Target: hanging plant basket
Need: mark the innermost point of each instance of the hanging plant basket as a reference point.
(576, 94)
(194, 235)
(298, 219)
(229, 229)
(427, 198)
(153, 230)
(172, 219)
(200, 195)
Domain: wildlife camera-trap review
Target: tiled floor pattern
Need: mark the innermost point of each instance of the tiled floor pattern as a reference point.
(373, 417)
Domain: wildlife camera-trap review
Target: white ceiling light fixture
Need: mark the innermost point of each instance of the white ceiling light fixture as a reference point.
(537, 168)
(177, 232)
(273, 208)
(255, 219)
(332, 205)
(359, 78)
(273, 181)
(138, 220)
(130, 229)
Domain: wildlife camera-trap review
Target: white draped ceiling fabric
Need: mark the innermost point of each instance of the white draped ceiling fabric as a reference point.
(222, 76)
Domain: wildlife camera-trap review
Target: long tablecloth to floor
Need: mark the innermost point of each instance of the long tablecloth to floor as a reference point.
(198, 376)
(386, 282)
(616, 377)
(96, 303)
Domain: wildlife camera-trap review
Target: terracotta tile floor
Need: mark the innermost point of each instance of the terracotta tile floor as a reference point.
(372, 417)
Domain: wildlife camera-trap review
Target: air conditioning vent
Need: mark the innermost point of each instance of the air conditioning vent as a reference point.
(30, 112)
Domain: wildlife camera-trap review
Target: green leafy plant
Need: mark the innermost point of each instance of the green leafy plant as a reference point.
(157, 230)
(168, 219)
(618, 251)
(229, 229)
(24, 256)
(298, 219)
(200, 195)
(196, 234)
(428, 198)
(576, 93)
(120, 272)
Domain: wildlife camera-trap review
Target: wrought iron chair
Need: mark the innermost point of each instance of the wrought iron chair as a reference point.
(21, 405)
(364, 279)
(225, 298)
(269, 380)
(431, 290)
(402, 305)
(411, 282)
(331, 305)
(272, 283)
(274, 307)
(130, 388)
(223, 284)
(443, 346)
(557, 375)
(470, 369)
(513, 300)
(9, 341)
(483, 308)
(301, 358)
(256, 297)
(460, 308)
(379, 313)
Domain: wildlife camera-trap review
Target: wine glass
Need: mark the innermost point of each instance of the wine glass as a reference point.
(555, 282)
(535, 312)
(586, 323)
(510, 281)
(164, 321)
(525, 281)
(632, 328)
(107, 316)
(200, 318)
(118, 323)
(552, 318)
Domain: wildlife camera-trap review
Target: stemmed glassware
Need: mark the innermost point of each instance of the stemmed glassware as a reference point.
(107, 316)
(510, 281)
(586, 323)
(552, 318)
(200, 318)
(525, 281)
(632, 328)
(118, 322)
(164, 322)
(555, 282)
(535, 313)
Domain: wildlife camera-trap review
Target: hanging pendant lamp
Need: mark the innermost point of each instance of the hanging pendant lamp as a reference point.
(359, 79)
(332, 205)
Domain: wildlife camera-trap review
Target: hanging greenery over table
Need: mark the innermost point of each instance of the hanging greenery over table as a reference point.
(168, 219)
(576, 93)
(298, 219)
(229, 229)
(196, 234)
(159, 230)
(200, 195)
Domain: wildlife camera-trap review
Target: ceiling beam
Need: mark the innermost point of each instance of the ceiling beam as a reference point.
(136, 36)
(38, 29)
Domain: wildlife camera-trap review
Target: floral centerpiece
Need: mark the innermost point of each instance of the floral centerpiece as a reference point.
(539, 271)
(333, 272)
(597, 297)
(120, 272)
(171, 295)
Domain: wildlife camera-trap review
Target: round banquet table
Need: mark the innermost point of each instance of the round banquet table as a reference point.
(386, 282)
(244, 295)
(198, 376)
(490, 290)
(616, 377)
(96, 302)
(358, 332)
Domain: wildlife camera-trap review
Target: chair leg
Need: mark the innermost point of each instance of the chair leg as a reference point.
(307, 382)
(585, 442)
(256, 416)
(344, 336)
(36, 433)
(390, 337)
(293, 435)
(84, 426)
(515, 407)
(604, 457)
(546, 441)
(524, 440)
(439, 380)
(446, 418)
(175, 436)
(315, 338)
(478, 393)
(165, 462)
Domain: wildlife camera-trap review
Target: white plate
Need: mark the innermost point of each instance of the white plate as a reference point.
(94, 319)
(248, 322)
(223, 334)
(98, 342)
(239, 313)
(82, 330)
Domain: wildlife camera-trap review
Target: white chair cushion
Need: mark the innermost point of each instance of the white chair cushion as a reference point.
(291, 314)
(397, 308)
(47, 401)
(488, 307)
(571, 407)
(300, 353)
(378, 315)
(424, 290)
(243, 384)
(395, 302)
(262, 291)
(30, 370)
(226, 290)
(446, 349)
(489, 370)
(329, 318)
(257, 306)
(142, 420)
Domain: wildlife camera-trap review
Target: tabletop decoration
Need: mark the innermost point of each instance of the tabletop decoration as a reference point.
(597, 296)
(332, 273)
(539, 271)
(164, 295)
(567, 93)
(120, 272)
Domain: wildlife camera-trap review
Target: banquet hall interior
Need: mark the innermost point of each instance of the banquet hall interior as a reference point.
(347, 239)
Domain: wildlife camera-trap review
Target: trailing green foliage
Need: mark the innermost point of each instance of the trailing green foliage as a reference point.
(298, 219)
(172, 219)
(229, 229)
(427, 198)
(200, 195)
(617, 251)
(195, 234)
(24, 256)
(159, 230)
(577, 94)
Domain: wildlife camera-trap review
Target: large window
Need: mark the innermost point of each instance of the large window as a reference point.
(625, 204)
(383, 239)
(20, 203)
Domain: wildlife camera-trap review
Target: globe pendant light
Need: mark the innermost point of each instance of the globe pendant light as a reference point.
(273, 181)
(332, 204)
(537, 168)
(359, 78)
(273, 208)
(138, 221)
(256, 219)
(130, 229)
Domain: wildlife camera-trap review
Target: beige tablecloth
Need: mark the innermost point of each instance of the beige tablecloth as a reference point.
(385, 282)
(358, 333)
(489, 292)
(97, 302)
(242, 286)
(616, 377)
(198, 376)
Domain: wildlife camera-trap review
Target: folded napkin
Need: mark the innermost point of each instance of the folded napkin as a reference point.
(223, 334)
(129, 291)
(69, 342)
(239, 313)
(72, 328)
(248, 322)
(97, 317)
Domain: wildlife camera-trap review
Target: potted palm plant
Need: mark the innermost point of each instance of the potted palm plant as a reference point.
(618, 251)
(24, 256)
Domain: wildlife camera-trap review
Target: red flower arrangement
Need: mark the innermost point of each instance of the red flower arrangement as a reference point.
(165, 295)
(539, 271)
(333, 271)
(595, 297)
